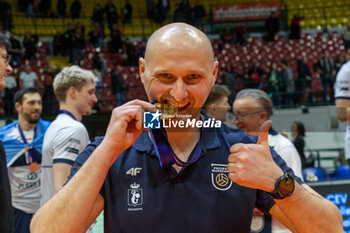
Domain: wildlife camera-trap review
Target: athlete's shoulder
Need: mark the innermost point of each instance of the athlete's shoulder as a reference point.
(344, 71)
(284, 141)
(66, 124)
(236, 135)
(44, 123)
(7, 127)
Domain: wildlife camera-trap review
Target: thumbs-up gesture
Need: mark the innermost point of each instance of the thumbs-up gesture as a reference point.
(251, 165)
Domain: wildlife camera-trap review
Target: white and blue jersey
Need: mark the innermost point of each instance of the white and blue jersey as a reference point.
(342, 91)
(63, 141)
(141, 196)
(25, 184)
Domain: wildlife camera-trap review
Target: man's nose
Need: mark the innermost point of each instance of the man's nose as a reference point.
(9, 69)
(179, 90)
(234, 119)
(94, 98)
(38, 105)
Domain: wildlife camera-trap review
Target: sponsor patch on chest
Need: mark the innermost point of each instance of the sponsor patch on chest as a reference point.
(219, 177)
(135, 197)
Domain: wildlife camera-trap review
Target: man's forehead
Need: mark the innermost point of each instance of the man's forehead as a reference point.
(31, 96)
(221, 101)
(246, 104)
(3, 50)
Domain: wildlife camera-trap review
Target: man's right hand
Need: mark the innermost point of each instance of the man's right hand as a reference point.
(125, 126)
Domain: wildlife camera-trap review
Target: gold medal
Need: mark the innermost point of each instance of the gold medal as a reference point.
(170, 109)
(33, 167)
(167, 110)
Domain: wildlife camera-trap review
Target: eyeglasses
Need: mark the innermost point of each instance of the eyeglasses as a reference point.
(240, 115)
(7, 59)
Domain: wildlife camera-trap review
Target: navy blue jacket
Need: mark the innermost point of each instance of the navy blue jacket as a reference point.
(141, 196)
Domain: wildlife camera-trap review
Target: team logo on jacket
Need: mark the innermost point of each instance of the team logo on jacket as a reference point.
(135, 196)
(219, 177)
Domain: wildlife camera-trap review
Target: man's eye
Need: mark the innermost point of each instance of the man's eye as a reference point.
(193, 76)
(165, 75)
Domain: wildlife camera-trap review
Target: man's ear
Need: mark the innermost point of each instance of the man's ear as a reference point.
(264, 116)
(142, 69)
(213, 106)
(17, 106)
(72, 92)
(211, 109)
(215, 72)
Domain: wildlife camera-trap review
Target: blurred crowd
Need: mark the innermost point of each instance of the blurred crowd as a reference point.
(311, 83)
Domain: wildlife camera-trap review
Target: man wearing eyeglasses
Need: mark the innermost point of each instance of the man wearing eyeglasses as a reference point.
(5, 191)
(5, 67)
(251, 108)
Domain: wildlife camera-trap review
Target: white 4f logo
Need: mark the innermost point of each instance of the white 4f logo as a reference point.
(134, 171)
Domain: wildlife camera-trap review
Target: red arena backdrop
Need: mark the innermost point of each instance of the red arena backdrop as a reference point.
(245, 11)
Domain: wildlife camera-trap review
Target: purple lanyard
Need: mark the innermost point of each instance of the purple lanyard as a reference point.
(67, 113)
(32, 151)
(166, 154)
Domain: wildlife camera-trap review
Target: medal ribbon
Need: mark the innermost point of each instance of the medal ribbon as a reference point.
(67, 113)
(165, 153)
(32, 151)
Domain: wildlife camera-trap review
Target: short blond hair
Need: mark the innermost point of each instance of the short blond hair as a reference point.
(73, 76)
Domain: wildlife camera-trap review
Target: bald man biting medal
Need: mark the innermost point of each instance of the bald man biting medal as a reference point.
(214, 192)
